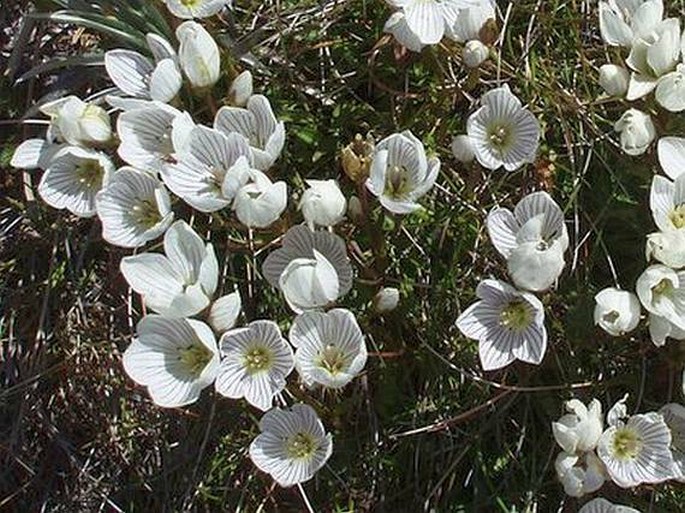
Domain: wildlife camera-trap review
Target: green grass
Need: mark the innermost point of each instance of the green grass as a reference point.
(78, 435)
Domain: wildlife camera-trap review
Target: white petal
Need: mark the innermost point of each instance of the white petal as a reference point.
(224, 312)
(129, 71)
(671, 153)
(165, 81)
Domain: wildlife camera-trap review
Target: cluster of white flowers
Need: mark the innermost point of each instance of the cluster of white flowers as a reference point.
(632, 450)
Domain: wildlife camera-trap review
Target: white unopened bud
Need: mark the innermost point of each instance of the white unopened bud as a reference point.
(614, 79)
(462, 149)
(323, 204)
(241, 89)
(386, 300)
(475, 53)
(637, 131)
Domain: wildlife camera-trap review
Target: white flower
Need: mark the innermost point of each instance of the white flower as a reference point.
(259, 203)
(579, 430)
(137, 76)
(661, 328)
(386, 299)
(311, 269)
(580, 474)
(637, 131)
(73, 178)
(134, 208)
(180, 284)
(77, 122)
(670, 91)
(671, 153)
(533, 239)
(600, 505)
(508, 324)
(292, 446)
(34, 154)
(621, 21)
(401, 173)
(198, 55)
(429, 20)
(188, 9)
(636, 450)
(323, 203)
(674, 416)
(662, 292)
(258, 125)
(471, 19)
(502, 131)
(462, 149)
(614, 80)
(174, 358)
(224, 312)
(667, 247)
(652, 56)
(145, 135)
(241, 89)
(667, 202)
(255, 361)
(397, 26)
(475, 53)
(616, 311)
(208, 174)
(330, 349)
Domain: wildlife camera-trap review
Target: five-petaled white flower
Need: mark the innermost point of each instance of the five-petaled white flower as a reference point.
(622, 21)
(508, 324)
(292, 446)
(323, 203)
(198, 54)
(532, 239)
(636, 449)
(255, 362)
(662, 292)
(180, 284)
(311, 269)
(503, 132)
(174, 358)
(616, 311)
(580, 429)
(401, 173)
(77, 122)
(330, 349)
(134, 208)
(189, 9)
(258, 124)
(601, 505)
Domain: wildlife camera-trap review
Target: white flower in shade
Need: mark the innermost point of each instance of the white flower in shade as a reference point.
(670, 91)
(474, 53)
(401, 173)
(614, 80)
(674, 416)
(508, 324)
(174, 358)
(662, 292)
(621, 21)
(471, 19)
(224, 312)
(188, 9)
(462, 149)
(198, 55)
(430, 20)
(73, 178)
(330, 349)
(386, 299)
(532, 239)
(258, 125)
(652, 57)
(502, 131)
(637, 131)
(34, 154)
(580, 474)
(580, 429)
(77, 122)
(145, 134)
(661, 329)
(667, 202)
(600, 505)
(138, 76)
(241, 89)
(134, 208)
(255, 361)
(260, 203)
(636, 449)
(292, 446)
(180, 284)
(311, 269)
(616, 311)
(667, 248)
(323, 203)
(671, 153)
(208, 174)
(398, 27)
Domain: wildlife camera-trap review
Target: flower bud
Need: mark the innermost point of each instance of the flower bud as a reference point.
(462, 149)
(475, 53)
(356, 158)
(198, 54)
(323, 203)
(354, 209)
(616, 311)
(241, 89)
(386, 300)
(614, 80)
(77, 122)
(637, 131)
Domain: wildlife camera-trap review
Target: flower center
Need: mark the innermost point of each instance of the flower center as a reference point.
(301, 445)
(332, 359)
(627, 443)
(195, 358)
(500, 137)
(146, 214)
(257, 359)
(677, 216)
(611, 317)
(397, 182)
(89, 174)
(191, 3)
(663, 288)
(516, 316)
